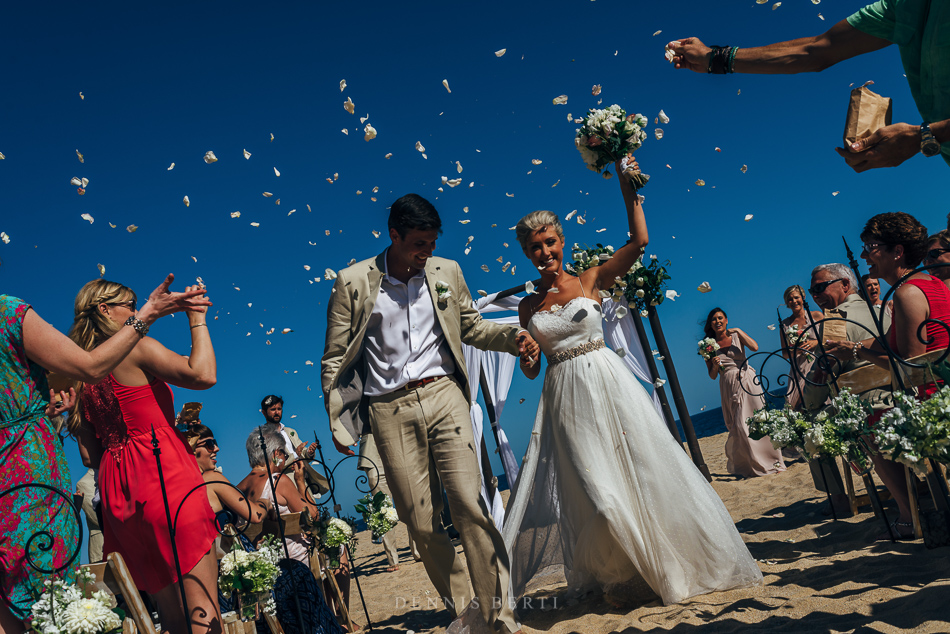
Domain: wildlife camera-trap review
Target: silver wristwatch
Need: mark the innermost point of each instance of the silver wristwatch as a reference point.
(929, 146)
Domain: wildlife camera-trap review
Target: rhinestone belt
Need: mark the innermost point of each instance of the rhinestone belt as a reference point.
(576, 351)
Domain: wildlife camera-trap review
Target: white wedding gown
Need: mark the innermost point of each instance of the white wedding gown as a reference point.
(606, 498)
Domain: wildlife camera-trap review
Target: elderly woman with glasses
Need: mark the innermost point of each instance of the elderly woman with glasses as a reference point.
(894, 245)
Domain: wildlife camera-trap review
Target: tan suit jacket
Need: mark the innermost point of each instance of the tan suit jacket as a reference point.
(350, 307)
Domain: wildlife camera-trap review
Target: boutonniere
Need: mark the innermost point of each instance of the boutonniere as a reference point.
(443, 291)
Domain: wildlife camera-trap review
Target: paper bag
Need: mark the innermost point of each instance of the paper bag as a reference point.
(867, 113)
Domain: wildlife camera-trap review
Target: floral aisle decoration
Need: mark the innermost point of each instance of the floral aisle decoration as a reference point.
(643, 285)
(912, 431)
(378, 512)
(64, 608)
(841, 429)
(334, 534)
(251, 576)
(606, 136)
(784, 427)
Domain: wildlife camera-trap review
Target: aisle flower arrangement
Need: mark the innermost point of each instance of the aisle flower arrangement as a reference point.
(251, 576)
(606, 136)
(912, 431)
(378, 512)
(842, 429)
(643, 285)
(784, 427)
(64, 608)
(334, 533)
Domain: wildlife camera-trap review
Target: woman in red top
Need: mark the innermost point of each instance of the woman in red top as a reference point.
(114, 424)
(894, 245)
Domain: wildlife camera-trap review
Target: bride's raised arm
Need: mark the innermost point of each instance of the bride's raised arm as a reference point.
(625, 256)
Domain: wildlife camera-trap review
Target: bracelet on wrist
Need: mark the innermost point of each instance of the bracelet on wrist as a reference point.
(721, 60)
(140, 326)
(854, 350)
(198, 326)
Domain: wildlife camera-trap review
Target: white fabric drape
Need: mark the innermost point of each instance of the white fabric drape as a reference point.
(499, 368)
(622, 334)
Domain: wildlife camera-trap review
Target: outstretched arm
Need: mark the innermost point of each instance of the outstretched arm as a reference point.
(803, 55)
(625, 256)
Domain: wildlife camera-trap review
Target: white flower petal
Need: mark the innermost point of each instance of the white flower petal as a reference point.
(102, 269)
(420, 147)
(235, 214)
(748, 217)
(132, 228)
(369, 132)
(704, 287)
(276, 172)
(342, 85)
(744, 169)
(75, 181)
(186, 201)
(88, 217)
(595, 90)
(247, 154)
(210, 157)
(445, 82)
(501, 52)
(267, 194)
(170, 167)
(559, 101)
(700, 182)
(349, 106)
(658, 133)
(771, 326)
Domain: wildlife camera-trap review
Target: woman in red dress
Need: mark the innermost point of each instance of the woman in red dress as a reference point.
(894, 245)
(114, 424)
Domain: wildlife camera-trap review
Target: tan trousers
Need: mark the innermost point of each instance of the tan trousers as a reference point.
(425, 441)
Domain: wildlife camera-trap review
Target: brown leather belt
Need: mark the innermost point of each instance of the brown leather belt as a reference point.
(413, 385)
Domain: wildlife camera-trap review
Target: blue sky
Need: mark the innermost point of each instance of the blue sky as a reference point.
(167, 83)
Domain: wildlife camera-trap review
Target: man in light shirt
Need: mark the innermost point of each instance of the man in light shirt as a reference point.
(393, 365)
(273, 409)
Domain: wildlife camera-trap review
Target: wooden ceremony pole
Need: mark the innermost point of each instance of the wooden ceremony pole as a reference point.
(651, 366)
(694, 451)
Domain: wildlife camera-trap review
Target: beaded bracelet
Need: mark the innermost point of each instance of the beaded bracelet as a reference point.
(722, 60)
(732, 60)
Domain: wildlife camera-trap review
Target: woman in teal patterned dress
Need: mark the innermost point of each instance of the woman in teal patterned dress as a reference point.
(31, 453)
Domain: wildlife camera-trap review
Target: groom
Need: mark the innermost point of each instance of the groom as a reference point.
(393, 366)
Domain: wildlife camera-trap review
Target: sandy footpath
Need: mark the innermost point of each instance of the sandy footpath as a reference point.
(820, 575)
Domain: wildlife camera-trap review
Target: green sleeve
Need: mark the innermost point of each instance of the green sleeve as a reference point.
(877, 19)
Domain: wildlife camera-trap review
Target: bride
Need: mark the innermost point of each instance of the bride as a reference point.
(606, 498)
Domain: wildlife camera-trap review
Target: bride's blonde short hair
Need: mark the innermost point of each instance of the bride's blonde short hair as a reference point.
(536, 221)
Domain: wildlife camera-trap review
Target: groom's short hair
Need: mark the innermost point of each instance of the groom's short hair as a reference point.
(412, 211)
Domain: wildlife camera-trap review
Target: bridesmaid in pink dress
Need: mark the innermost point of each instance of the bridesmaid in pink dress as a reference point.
(744, 456)
(114, 428)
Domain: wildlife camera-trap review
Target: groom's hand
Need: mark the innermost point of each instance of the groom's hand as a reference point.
(343, 449)
(528, 348)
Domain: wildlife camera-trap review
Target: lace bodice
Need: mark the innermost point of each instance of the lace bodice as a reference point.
(574, 324)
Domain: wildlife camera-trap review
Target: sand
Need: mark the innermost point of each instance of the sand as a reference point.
(821, 575)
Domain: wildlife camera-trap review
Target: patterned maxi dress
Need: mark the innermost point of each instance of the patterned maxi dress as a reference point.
(30, 452)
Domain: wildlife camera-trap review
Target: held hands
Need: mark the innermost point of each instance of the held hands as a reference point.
(887, 147)
(55, 408)
(528, 349)
(163, 302)
(196, 314)
(691, 54)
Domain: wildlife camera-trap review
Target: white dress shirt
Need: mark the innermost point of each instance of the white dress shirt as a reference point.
(404, 341)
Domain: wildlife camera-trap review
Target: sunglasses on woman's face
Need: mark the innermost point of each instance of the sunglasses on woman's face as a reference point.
(934, 254)
(208, 444)
(130, 304)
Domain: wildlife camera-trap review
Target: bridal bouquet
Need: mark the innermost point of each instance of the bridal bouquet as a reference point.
(784, 427)
(378, 512)
(708, 348)
(63, 608)
(913, 431)
(608, 135)
(797, 335)
(251, 574)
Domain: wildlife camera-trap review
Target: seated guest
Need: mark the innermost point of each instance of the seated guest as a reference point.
(872, 286)
(794, 297)
(938, 252)
(894, 244)
(291, 498)
(834, 289)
